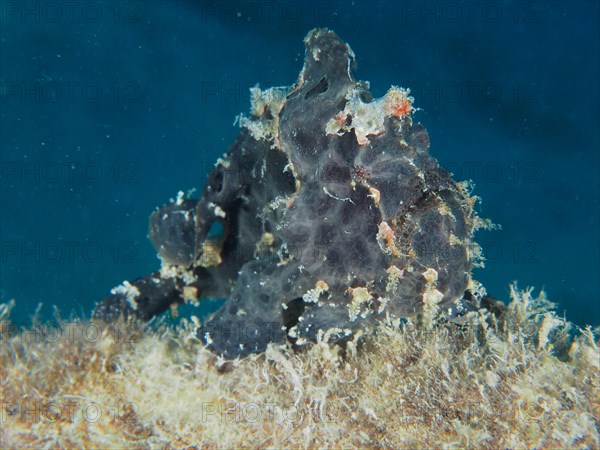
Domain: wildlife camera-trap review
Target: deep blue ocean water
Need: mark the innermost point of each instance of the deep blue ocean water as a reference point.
(108, 109)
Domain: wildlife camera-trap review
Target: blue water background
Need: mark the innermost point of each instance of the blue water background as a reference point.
(108, 109)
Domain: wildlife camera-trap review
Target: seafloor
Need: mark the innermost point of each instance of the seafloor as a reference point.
(516, 377)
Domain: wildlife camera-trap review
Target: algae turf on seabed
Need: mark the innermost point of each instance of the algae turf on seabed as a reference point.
(518, 377)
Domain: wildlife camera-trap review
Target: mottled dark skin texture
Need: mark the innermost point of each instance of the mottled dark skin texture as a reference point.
(322, 230)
